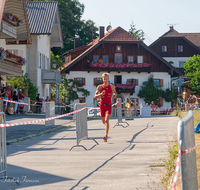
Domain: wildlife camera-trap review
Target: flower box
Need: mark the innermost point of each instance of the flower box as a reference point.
(5, 18)
(126, 67)
(125, 88)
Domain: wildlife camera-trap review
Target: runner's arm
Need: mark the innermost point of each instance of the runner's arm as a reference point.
(114, 91)
(97, 93)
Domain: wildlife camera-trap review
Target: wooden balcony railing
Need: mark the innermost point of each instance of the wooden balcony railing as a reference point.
(132, 69)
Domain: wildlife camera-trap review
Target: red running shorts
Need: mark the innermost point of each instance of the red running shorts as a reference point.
(105, 110)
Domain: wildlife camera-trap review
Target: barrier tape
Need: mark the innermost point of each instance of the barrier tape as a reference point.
(39, 120)
(181, 152)
(176, 171)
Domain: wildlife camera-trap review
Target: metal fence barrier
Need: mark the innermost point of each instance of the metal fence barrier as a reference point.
(74, 116)
(81, 125)
(3, 162)
(3, 150)
(119, 114)
(186, 139)
(49, 108)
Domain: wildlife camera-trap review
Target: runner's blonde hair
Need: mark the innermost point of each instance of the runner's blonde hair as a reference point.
(105, 75)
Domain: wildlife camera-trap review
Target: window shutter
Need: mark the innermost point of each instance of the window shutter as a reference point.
(161, 82)
(136, 82)
(137, 100)
(75, 79)
(84, 100)
(128, 81)
(83, 81)
(95, 81)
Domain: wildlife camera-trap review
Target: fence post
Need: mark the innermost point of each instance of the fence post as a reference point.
(81, 125)
(50, 112)
(119, 114)
(186, 139)
(27, 107)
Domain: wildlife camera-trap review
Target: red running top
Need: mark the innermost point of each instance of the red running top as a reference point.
(106, 98)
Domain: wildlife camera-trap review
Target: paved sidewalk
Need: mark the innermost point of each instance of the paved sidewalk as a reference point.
(123, 163)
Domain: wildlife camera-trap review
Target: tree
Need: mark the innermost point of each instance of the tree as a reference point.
(69, 90)
(137, 33)
(85, 32)
(192, 70)
(58, 59)
(24, 82)
(149, 92)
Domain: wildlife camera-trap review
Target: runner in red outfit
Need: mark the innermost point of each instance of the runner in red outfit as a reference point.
(105, 92)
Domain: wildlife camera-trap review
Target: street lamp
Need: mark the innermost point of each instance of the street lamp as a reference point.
(54, 65)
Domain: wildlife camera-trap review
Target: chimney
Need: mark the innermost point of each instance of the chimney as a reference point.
(101, 32)
(171, 27)
(76, 41)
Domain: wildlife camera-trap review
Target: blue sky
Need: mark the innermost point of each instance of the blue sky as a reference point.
(152, 16)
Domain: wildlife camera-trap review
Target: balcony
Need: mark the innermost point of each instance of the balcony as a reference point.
(125, 88)
(51, 77)
(7, 30)
(120, 67)
(9, 67)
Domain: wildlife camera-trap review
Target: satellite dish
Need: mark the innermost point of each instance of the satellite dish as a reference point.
(109, 28)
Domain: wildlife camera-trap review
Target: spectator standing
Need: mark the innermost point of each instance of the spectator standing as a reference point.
(15, 98)
(8, 90)
(47, 99)
(1, 90)
(20, 96)
(38, 103)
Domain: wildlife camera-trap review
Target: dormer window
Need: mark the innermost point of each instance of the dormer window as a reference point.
(164, 48)
(118, 48)
(180, 48)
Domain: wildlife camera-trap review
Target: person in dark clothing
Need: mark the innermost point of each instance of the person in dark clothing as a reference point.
(38, 103)
(15, 98)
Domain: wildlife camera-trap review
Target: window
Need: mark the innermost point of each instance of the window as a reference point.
(96, 58)
(180, 48)
(47, 63)
(81, 81)
(118, 48)
(82, 100)
(118, 57)
(181, 64)
(158, 82)
(39, 60)
(43, 61)
(164, 48)
(140, 59)
(105, 58)
(130, 59)
(97, 81)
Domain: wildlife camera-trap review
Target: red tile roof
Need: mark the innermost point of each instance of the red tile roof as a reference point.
(193, 37)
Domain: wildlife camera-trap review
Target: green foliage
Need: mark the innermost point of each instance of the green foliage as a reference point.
(24, 82)
(137, 33)
(149, 92)
(71, 12)
(69, 90)
(192, 70)
(170, 164)
(170, 95)
(58, 59)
